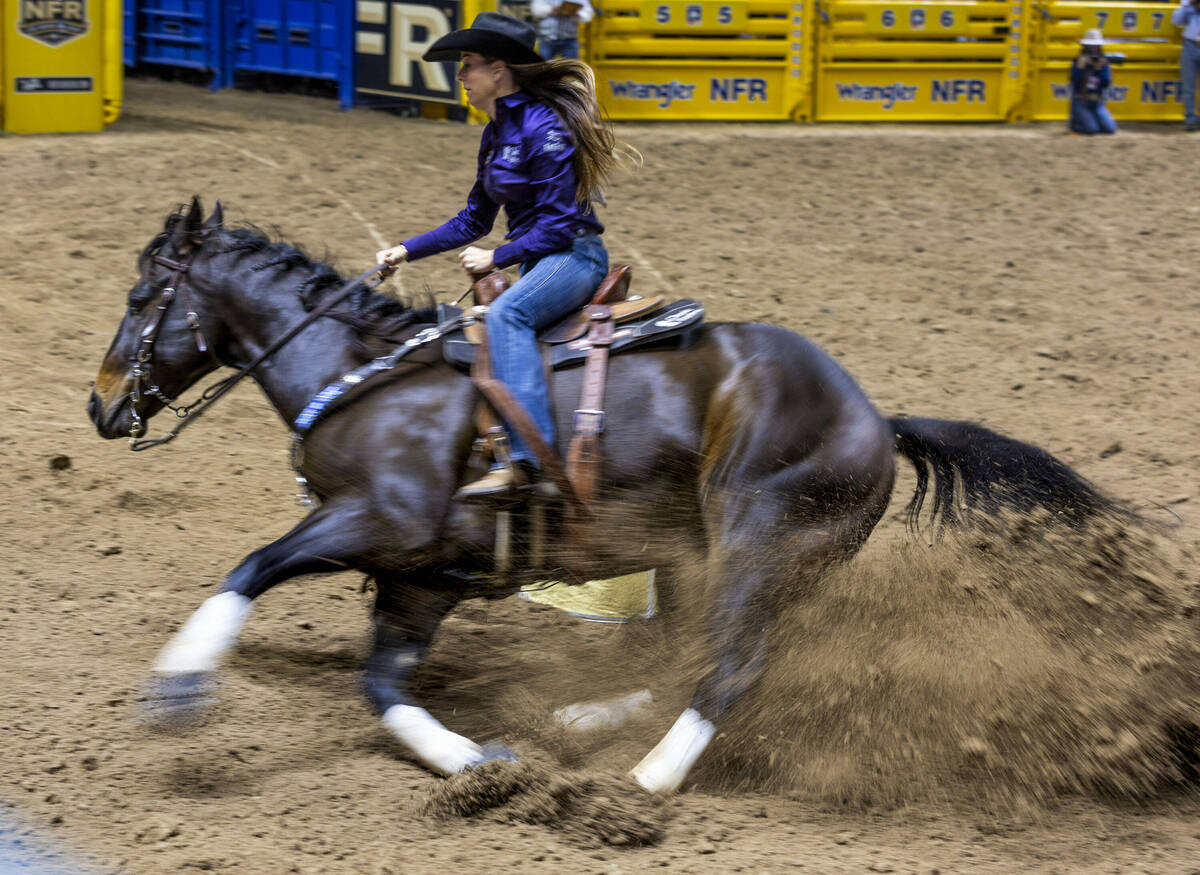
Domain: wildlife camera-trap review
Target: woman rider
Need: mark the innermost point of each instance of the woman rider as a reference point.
(543, 154)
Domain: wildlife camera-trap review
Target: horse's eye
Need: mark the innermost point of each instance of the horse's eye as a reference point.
(139, 297)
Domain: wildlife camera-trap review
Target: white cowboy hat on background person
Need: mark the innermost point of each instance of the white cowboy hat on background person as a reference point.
(1092, 37)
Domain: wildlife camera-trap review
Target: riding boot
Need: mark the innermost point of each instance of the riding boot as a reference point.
(496, 483)
(521, 479)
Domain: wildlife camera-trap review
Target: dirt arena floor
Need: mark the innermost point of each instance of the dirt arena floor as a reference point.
(1021, 702)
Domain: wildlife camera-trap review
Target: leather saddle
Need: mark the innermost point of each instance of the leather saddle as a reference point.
(610, 322)
(613, 292)
(640, 321)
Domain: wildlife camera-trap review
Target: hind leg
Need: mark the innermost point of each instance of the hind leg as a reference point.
(770, 547)
(616, 711)
(604, 714)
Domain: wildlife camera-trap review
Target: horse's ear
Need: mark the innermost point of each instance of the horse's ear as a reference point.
(195, 213)
(216, 221)
(187, 232)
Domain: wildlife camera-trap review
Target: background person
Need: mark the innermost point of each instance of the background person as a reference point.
(1091, 76)
(544, 153)
(1187, 16)
(558, 25)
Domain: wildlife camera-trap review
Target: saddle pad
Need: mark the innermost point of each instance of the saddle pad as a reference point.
(673, 323)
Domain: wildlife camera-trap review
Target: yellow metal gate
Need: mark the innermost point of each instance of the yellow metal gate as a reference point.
(711, 59)
(914, 61)
(1145, 87)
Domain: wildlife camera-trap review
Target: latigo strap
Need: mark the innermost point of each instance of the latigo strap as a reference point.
(585, 455)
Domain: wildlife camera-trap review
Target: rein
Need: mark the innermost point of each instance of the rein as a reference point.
(188, 413)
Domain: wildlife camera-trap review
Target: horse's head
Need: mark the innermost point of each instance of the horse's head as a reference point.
(160, 348)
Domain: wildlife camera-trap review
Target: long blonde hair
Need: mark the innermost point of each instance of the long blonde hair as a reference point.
(568, 87)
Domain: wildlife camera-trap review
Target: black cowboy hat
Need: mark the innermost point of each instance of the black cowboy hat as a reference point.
(492, 35)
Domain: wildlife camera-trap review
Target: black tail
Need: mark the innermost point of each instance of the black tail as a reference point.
(975, 469)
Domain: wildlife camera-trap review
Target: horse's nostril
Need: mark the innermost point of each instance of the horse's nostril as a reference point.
(93, 406)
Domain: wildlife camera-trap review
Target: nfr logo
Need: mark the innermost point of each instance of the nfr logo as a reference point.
(734, 89)
(1161, 91)
(950, 90)
(694, 14)
(53, 22)
(389, 41)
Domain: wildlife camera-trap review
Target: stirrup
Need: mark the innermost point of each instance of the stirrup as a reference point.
(530, 483)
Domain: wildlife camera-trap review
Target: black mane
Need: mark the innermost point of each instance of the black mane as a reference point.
(370, 313)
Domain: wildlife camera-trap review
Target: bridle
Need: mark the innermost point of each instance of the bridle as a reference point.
(143, 383)
(143, 359)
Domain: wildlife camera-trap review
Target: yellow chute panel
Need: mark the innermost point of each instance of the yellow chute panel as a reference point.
(1145, 86)
(114, 63)
(734, 60)
(54, 58)
(908, 60)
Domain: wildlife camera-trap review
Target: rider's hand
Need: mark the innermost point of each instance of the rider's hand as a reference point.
(476, 260)
(391, 257)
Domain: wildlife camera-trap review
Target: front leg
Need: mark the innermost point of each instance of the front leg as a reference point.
(406, 618)
(331, 538)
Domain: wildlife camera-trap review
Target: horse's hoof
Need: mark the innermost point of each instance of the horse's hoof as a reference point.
(494, 751)
(174, 701)
(608, 714)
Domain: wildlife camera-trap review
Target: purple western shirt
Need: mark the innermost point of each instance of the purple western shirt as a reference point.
(526, 165)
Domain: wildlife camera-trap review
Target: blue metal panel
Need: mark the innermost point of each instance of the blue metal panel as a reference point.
(291, 37)
(129, 33)
(181, 33)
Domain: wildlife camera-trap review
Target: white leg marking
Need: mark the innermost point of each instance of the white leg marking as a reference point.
(665, 767)
(607, 714)
(441, 750)
(202, 641)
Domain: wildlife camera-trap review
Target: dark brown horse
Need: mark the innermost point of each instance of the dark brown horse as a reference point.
(749, 446)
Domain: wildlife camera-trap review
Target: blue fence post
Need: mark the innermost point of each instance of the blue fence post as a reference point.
(216, 40)
(129, 44)
(346, 19)
(232, 10)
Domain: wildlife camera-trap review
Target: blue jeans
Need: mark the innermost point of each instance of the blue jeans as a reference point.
(549, 289)
(1189, 66)
(562, 48)
(1091, 118)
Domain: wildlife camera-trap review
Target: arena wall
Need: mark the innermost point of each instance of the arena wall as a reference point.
(670, 60)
